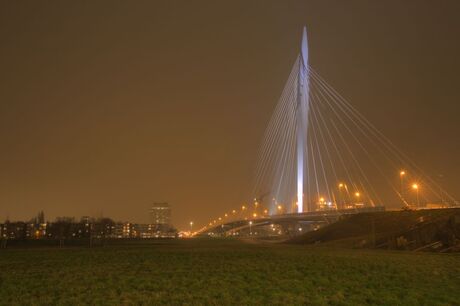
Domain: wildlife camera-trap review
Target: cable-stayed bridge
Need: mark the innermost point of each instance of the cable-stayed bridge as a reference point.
(321, 157)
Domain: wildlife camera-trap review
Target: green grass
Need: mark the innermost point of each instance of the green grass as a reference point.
(224, 272)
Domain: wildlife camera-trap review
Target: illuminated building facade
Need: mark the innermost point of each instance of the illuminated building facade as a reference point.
(160, 214)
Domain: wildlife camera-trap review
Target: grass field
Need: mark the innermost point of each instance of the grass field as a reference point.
(226, 272)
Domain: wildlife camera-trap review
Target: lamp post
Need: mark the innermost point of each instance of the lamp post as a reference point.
(340, 195)
(358, 196)
(280, 208)
(250, 228)
(191, 227)
(321, 203)
(402, 173)
(416, 188)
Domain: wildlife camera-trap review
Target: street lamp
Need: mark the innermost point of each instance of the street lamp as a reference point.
(250, 227)
(279, 207)
(402, 173)
(341, 201)
(191, 227)
(321, 203)
(357, 195)
(416, 188)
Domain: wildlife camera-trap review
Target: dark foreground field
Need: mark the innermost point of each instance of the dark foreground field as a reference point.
(224, 272)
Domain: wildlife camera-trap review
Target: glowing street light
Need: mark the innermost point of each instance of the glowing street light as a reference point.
(279, 207)
(341, 200)
(191, 227)
(415, 187)
(250, 227)
(357, 194)
(402, 173)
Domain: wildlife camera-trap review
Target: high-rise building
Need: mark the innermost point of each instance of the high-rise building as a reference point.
(160, 214)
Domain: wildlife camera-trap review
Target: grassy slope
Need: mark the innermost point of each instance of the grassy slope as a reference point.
(353, 229)
(226, 272)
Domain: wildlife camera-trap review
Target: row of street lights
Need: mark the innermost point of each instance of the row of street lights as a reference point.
(341, 186)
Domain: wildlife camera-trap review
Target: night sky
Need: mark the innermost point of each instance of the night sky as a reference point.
(108, 106)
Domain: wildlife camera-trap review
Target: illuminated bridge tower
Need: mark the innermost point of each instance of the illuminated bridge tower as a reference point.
(302, 119)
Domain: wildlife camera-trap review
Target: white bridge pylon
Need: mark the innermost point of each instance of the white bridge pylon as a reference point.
(303, 98)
